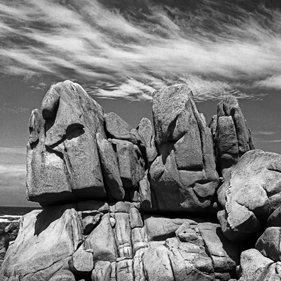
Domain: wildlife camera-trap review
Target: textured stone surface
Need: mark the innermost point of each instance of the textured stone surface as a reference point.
(183, 177)
(250, 194)
(63, 160)
(232, 138)
(46, 241)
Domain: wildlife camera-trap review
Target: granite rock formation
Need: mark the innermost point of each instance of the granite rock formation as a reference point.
(146, 203)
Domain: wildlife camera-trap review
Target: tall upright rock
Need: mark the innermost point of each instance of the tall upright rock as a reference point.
(183, 177)
(231, 134)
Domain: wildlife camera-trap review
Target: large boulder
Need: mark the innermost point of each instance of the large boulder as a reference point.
(46, 241)
(62, 155)
(183, 177)
(232, 136)
(250, 194)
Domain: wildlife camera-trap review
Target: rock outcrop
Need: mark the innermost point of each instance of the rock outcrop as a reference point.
(145, 203)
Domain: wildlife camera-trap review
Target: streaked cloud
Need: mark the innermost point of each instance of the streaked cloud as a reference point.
(12, 185)
(269, 141)
(17, 171)
(264, 133)
(143, 47)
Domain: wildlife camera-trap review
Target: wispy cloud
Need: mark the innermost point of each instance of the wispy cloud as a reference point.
(13, 150)
(264, 133)
(129, 52)
(269, 141)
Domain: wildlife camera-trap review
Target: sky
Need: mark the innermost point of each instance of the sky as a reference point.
(121, 51)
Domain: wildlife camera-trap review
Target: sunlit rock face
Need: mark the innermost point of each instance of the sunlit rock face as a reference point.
(183, 176)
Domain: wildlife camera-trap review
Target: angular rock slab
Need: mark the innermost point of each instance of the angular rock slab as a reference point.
(45, 243)
(62, 155)
(183, 176)
(250, 194)
(232, 137)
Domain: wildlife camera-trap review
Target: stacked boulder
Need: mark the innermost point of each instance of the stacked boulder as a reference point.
(120, 203)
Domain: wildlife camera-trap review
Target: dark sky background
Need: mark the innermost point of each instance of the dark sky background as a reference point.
(121, 51)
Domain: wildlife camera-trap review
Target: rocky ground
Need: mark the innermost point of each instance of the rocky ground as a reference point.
(176, 200)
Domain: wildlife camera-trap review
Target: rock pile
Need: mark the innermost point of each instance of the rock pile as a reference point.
(179, 200)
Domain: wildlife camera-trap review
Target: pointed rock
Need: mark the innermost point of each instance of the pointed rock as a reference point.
(233, 138)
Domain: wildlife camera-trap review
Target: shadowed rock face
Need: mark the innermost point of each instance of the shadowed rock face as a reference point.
(183, 176)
